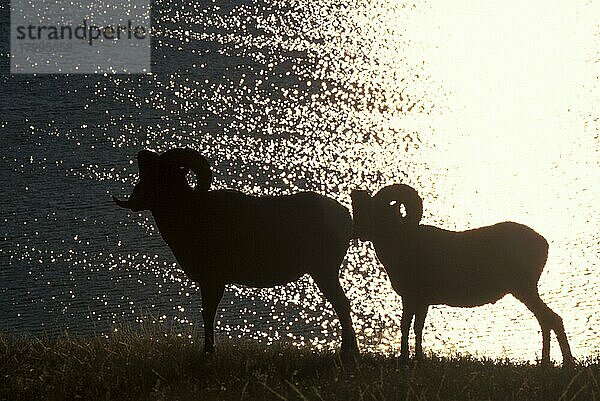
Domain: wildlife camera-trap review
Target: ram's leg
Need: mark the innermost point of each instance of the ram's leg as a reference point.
(211, 296)
(554, 322)
(531, 300)
(420, 315)
(549, 320)
(332, 290)
(408, 311)
(561, 336)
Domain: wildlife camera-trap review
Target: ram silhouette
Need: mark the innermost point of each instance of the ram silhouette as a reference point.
(429, 265)
(226, 237)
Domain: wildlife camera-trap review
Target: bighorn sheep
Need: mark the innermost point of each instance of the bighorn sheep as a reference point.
(430, 266)
(222, 237)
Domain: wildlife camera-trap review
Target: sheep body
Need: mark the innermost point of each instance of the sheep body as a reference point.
(255, 241)
(466, 268)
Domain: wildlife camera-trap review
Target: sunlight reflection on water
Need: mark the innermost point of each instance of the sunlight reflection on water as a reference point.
(487, 123)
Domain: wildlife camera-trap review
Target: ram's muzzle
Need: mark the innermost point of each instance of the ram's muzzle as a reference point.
(131, 204)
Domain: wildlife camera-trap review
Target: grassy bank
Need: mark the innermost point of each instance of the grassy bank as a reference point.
(139, 366)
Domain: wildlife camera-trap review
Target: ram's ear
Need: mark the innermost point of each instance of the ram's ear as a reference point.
(147, 161)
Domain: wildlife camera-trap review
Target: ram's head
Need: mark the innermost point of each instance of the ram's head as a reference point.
(163, 178)
(398, 203)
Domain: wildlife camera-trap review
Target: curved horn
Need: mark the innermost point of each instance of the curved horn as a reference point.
(405, 195)
(190, 158)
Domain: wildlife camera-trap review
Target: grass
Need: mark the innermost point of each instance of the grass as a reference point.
(143, 366)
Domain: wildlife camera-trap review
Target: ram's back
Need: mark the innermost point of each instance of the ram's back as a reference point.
(472, 267)
(263, 241)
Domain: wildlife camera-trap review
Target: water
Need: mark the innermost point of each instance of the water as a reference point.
(489, 111)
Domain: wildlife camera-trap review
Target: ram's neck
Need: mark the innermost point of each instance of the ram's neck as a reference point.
(395, 249)
(173, 220)
(390, 247)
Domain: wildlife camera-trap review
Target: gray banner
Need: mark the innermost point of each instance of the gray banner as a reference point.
(54, 37)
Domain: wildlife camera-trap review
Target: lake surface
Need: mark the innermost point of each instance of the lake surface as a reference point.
(490, 111)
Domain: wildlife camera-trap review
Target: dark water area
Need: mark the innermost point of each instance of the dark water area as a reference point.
(281, 97)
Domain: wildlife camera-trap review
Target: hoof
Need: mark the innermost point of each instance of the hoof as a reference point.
(349, 349)
(349, 358)
(349, 355)
(568, 362)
